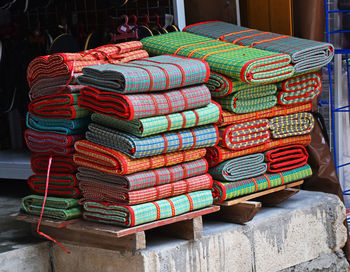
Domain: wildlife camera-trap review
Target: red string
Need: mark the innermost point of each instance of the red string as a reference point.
(43, 207)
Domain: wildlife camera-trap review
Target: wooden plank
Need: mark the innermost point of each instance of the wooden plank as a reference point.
(277, 197)
(134, 241)
(258, 194)
(240, 213)
(47, 221)
(189, 229)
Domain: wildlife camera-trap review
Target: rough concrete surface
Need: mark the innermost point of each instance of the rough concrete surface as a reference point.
(303, 233)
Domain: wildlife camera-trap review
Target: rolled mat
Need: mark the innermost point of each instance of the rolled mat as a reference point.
(245, 135)
(58, 106)
(60, 126)
(240, 168)
(250, 99)
(228, 118)
(218, 154)
(159, 124)
(239, 62)
(221, 86)
(129, 216)
(198, 137)
(56, 208)
(300, 89)
(130, 107)
(114, 162)
(66, 64)
(65, 185)
(148, 178)
(40, 91)
(291, 125)
(228, 190)
(60, 164)
(306, 55)
(147, 75)
(107, 192)
(286, 158)
(47, 142)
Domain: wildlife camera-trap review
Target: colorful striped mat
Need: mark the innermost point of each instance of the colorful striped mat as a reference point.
(58, 106)
(251, 99)
(56, 208)
(159, 124)
(60, 163)
(221, 86)
(41, 90)
(229, 118)
(240, 168)
(228, 190)
(286, 158)
(239, 62)
(218, 154)
(197, 137)
(47, 142)
(107, 192)
(62, 185)
(147, 75)
(291, 125)
(60, 126)
(137, 106)
(300, 89)
(245, 135)
(148, 178)
(114, 162)
(129, 216)
(66, 64)
(306, 55)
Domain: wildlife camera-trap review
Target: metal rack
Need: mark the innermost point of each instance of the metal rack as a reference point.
(15, 163)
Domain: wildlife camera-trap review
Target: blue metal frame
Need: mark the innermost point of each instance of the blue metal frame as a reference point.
(344, 108)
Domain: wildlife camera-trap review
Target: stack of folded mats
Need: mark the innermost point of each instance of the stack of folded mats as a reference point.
(55, 207)
(306, 55)
(55, 121)
(143, 156)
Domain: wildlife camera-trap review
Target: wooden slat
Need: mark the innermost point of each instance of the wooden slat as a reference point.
(258, 194)
(276, 198)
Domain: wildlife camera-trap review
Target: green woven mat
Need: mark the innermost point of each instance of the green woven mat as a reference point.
(154, 125)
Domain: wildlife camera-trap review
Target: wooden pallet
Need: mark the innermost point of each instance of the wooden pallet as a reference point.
(243, 209)
(77, 231)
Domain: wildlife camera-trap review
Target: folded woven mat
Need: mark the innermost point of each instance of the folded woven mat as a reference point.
(198, 137)
(228, 190)
(159, 124)
(47, 142)
(240, 168)
(147, 75)
(221, 86)
(243, 63)
(42, 90)
(145, 179)
(306, 55)
(107, 192)
(55, 207)
(229, 118)
(300, 89)
(66, 64)
(60, 163)
(130, 107)
(114, 162)
(60, 126)
(218, 154)
(63, 185)
(58, 106)
(129, 216)
(251, 99)
(286, 158)
(291, 125)
(245, 135)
